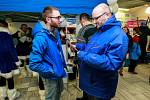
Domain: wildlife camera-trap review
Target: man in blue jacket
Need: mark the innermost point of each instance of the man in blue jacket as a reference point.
(46, 56)
(101, 58)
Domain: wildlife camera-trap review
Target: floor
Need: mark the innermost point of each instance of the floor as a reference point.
(130, 87)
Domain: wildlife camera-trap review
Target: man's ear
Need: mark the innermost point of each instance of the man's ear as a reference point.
(83, 22)
(106, 17)
(48, 20)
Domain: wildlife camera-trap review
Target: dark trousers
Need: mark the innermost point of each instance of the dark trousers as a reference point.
(89, 97)
(133, 64)
(10, 82)
(41, 85)
(143, 53)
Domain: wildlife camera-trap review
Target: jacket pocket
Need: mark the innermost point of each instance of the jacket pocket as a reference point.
(50, 64)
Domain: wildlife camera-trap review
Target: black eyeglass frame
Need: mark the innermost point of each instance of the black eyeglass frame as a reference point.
(58, 17)
(95, 18)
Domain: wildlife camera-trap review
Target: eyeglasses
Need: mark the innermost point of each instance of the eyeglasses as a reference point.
(58, 17)
(95, 18)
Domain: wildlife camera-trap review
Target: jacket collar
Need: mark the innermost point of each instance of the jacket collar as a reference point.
(3, 29)
(45, 28)
(110, 23)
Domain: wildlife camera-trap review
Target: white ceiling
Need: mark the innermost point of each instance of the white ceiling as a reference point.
(132, 3)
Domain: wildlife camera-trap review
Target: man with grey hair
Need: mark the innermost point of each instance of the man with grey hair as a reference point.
(101, 58)
(46, 56)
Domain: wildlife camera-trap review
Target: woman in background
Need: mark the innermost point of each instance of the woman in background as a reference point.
(8, 62)
(129, 47)
(135, 52)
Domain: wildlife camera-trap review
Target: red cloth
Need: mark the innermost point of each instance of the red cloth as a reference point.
(135, 39)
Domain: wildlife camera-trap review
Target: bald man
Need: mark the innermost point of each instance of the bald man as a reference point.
(102, 56)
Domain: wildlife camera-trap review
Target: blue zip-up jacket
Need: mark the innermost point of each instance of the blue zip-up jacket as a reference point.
(101, 59)
(46, 56)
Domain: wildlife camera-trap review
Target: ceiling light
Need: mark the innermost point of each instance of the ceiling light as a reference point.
(146, 5)
(123, 9)
(147, 10)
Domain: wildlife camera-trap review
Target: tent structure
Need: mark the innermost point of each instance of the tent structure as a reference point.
(36, 6)
(29, 10)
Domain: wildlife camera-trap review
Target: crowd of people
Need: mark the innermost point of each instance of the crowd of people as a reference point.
(14, 60)
(102, 48)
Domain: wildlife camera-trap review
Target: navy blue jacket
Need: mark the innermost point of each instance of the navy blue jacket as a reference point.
(8, 55)
(46, 56)
(101, 58)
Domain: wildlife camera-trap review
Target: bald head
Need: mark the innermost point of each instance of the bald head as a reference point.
(101, 13)
(100, 9)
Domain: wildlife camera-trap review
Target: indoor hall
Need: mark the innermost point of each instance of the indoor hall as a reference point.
(21, 17)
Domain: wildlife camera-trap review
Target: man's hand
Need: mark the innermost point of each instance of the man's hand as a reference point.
(18, 63)
(127, 56)
(72, 47)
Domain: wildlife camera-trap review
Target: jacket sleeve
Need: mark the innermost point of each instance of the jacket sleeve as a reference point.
(80, 46)
(36, 62)
(111, 60)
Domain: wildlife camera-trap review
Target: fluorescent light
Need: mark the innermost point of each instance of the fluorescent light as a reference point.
(147, 10)
(123, 9)
(146, 5)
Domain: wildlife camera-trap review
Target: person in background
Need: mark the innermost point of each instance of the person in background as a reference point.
(8, 62)
(87, 30)
(126, 30)
(135, 52)
(21, 36)
(41, 89)
(84, 35)
(103, 55)
(29, 40)
(46, 56)
(22, 44)
(144, 32)
(28, 47)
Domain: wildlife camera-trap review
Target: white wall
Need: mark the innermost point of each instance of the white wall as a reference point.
(14, 26)
(30, 24)
(139, 12)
